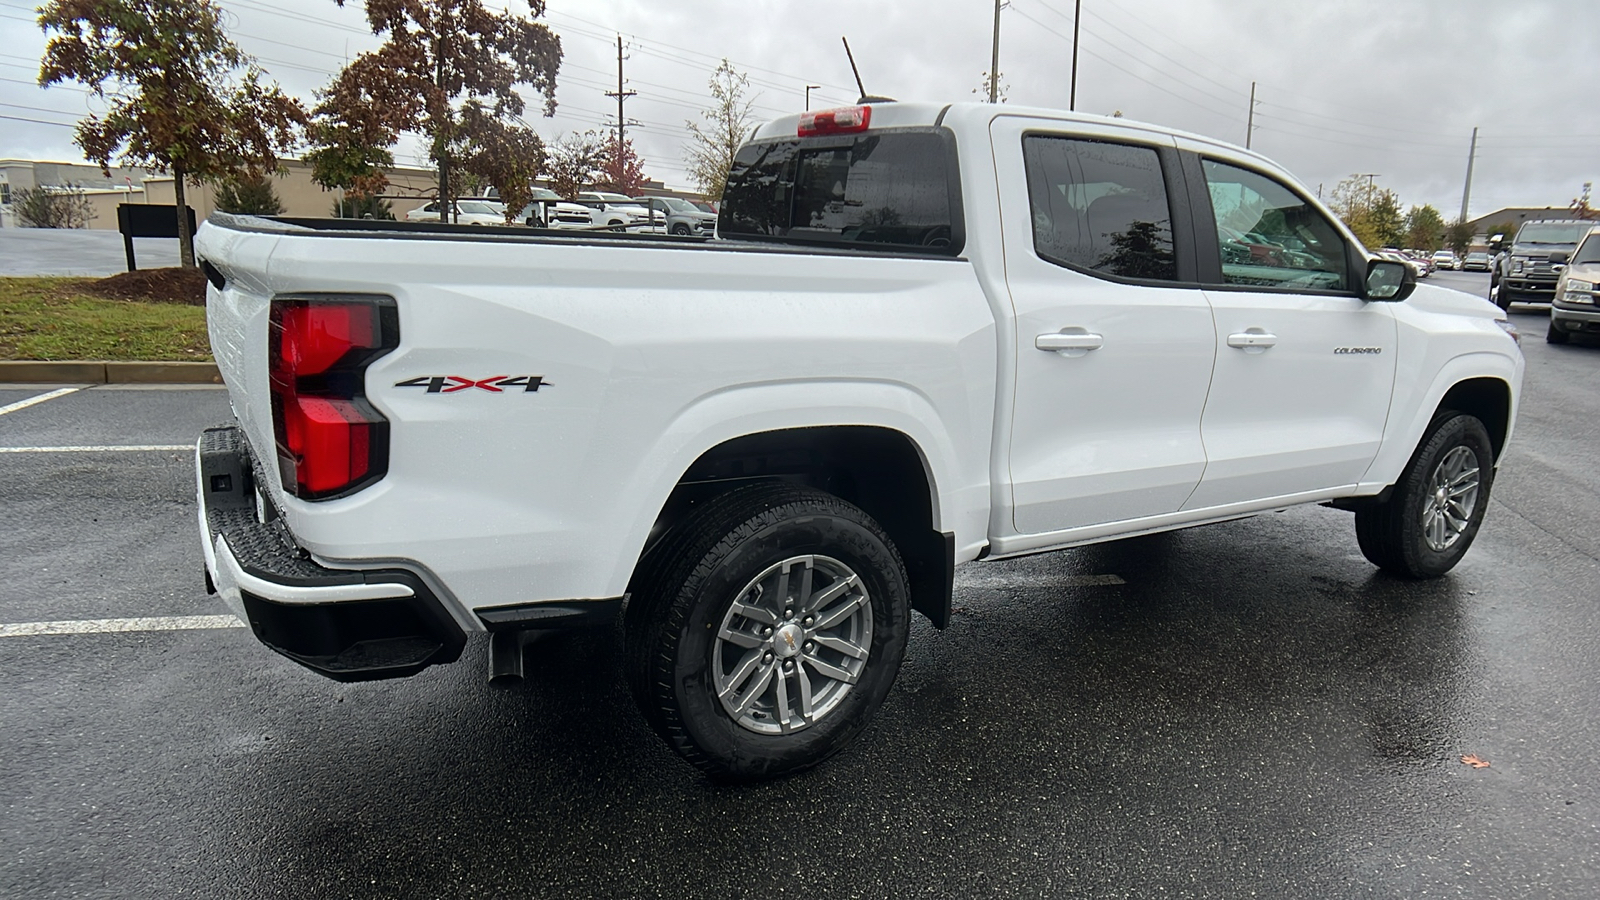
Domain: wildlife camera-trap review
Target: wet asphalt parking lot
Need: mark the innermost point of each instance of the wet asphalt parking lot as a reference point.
(1244, 710)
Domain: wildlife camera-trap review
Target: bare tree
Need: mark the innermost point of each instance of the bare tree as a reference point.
(573, 163)
(727, 124)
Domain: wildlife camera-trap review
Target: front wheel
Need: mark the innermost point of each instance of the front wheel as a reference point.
(1554, 334)
(1437, 506)
(680, 228)
(766, 629)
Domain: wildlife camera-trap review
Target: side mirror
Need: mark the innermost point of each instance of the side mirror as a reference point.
(1388, 281)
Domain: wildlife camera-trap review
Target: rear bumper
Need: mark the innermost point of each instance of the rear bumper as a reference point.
(346, 624)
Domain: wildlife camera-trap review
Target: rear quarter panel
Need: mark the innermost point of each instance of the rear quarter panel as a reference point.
(648, 357)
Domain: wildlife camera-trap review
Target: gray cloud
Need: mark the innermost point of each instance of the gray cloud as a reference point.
(1352, 86)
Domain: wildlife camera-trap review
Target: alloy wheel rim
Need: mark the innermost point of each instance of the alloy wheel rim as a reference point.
(1451, 500)
(792, 645)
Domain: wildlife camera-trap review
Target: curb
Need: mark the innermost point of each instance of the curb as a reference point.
(25, 371)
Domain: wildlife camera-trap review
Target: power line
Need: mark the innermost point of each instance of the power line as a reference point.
(1113, 64)
(39, 121)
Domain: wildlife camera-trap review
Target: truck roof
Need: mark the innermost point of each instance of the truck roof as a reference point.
(911, 114)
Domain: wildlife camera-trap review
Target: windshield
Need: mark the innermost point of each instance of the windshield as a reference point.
(1553, 232)
(478, 208)
(679, 206)
(1588, 251)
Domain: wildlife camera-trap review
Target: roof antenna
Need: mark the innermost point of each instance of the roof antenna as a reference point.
(865, 97)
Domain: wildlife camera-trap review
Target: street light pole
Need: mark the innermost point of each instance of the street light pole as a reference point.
(808, 94)
(994, 57)
(1466, 192)
(1250, 119)
(1077, 13)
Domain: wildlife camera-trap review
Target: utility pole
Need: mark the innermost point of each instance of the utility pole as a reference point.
(1466, 193)
(994, 57)
(1250, 119)
(1369, 176)
(1077, 13)
(809, 88)
(621, 95)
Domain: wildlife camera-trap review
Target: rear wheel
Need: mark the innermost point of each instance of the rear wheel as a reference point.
(1554, 334)
(766, 629)
(1437, 506)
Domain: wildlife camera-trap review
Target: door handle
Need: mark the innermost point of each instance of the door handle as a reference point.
(1072, 339)
(1252, 339)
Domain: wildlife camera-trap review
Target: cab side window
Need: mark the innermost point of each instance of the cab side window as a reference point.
(1100, 206)
(1269, 237)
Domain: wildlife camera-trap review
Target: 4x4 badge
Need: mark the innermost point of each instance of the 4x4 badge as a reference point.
(449, 384)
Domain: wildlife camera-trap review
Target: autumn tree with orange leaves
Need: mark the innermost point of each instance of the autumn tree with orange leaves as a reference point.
(621, 169)
(181, 97)
(447, 70)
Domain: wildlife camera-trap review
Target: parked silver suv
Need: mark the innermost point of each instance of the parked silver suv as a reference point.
(680, 216)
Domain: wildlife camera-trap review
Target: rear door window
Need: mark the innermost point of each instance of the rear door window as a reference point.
(1100, 206)
(889, 188)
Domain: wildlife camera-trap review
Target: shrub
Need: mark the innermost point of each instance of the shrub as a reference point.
(248, 195)
(52, 207)
(373, 207)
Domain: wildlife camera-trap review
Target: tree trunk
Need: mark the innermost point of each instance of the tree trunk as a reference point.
(447, 209)
(185, 239)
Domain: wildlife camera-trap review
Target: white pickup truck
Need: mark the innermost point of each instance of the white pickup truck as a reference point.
(925, 335)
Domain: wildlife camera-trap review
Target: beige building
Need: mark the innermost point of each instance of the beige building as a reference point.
(409, 188)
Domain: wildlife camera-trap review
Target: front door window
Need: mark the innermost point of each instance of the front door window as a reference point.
(1269, 237)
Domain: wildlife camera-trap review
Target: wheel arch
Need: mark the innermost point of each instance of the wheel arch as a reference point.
(1484, 382)
(882, 470)
(1489, 400)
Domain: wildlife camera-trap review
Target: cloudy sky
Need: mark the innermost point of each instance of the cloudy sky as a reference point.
(1392, 88)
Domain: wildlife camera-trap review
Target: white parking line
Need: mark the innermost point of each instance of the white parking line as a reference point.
(104, 448)
(111, 626)
(24, 404)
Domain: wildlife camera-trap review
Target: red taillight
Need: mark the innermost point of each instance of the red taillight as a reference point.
(844, 120)
(330, 440)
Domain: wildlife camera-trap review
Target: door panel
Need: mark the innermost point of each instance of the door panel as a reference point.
(1111, 376)
(1304, 368)
(1297, 415)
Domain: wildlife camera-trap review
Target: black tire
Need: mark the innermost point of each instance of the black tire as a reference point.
(1392, 534)
(680, 228)
(1554, 335)
(684, 593)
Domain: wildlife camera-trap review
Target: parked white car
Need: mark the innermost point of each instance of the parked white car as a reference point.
(548, 210)
(468, 212)
(928, 335)
(615, 209)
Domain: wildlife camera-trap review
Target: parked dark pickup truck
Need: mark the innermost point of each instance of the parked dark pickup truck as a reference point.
(1528, 272)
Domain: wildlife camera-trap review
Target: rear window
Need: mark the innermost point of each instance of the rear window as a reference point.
(888, 189)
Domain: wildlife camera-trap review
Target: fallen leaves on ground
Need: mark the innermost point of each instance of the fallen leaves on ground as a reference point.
(1475, 761)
